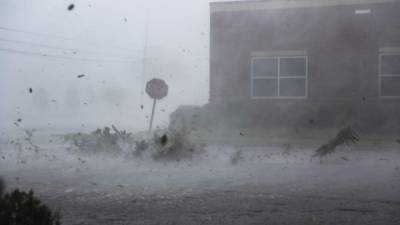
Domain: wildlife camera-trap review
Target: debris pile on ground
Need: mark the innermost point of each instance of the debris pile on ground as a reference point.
(106, 140)
(236, 157)
(173, 145)
(140, 148)
(23, 208)
(345, 136)
(162, 145)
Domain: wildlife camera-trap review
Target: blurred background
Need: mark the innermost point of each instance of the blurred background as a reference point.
(117, 45)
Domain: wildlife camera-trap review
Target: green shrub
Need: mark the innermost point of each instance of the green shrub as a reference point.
(22, 208)
(2, 187)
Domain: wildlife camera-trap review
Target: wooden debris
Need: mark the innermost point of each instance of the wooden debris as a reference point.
(345, 136)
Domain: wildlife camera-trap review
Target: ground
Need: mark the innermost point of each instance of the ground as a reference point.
(275, 184)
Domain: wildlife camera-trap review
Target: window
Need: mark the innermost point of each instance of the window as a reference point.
(279, 76)
(389, 73)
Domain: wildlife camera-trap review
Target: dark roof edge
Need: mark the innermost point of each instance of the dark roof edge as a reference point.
(285, 4)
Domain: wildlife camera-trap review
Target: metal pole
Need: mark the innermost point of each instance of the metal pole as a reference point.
(152, 115)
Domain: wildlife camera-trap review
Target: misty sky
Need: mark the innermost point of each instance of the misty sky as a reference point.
(44, 46)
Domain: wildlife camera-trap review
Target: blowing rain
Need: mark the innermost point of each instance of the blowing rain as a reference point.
(200, 112)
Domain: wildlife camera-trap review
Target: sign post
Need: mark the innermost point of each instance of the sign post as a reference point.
(152, 115)
(156, 89)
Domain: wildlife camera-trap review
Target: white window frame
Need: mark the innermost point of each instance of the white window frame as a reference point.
(278, 77)
(384, 52)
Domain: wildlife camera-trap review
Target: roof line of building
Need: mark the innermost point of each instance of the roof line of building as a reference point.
(285, 4)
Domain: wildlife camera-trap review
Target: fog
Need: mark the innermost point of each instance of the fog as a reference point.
(45, 47)
(277, 112)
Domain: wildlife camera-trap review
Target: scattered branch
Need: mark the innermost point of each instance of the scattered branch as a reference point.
(345, 136)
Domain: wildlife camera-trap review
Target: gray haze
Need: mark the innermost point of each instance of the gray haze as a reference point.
(316, 143)
(104, 40)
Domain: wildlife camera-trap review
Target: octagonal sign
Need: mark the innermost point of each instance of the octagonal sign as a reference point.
(157, 88)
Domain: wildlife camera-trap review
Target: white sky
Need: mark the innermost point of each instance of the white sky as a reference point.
(178, 51)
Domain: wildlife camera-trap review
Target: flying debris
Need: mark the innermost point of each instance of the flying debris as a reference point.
(345, 136)
(71, 7)
(140, 146)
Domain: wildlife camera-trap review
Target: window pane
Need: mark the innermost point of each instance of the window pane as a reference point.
(265, 67)
(292, 87)
(390, 64)
(293, 67)
(265, 87)
(390, 86)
